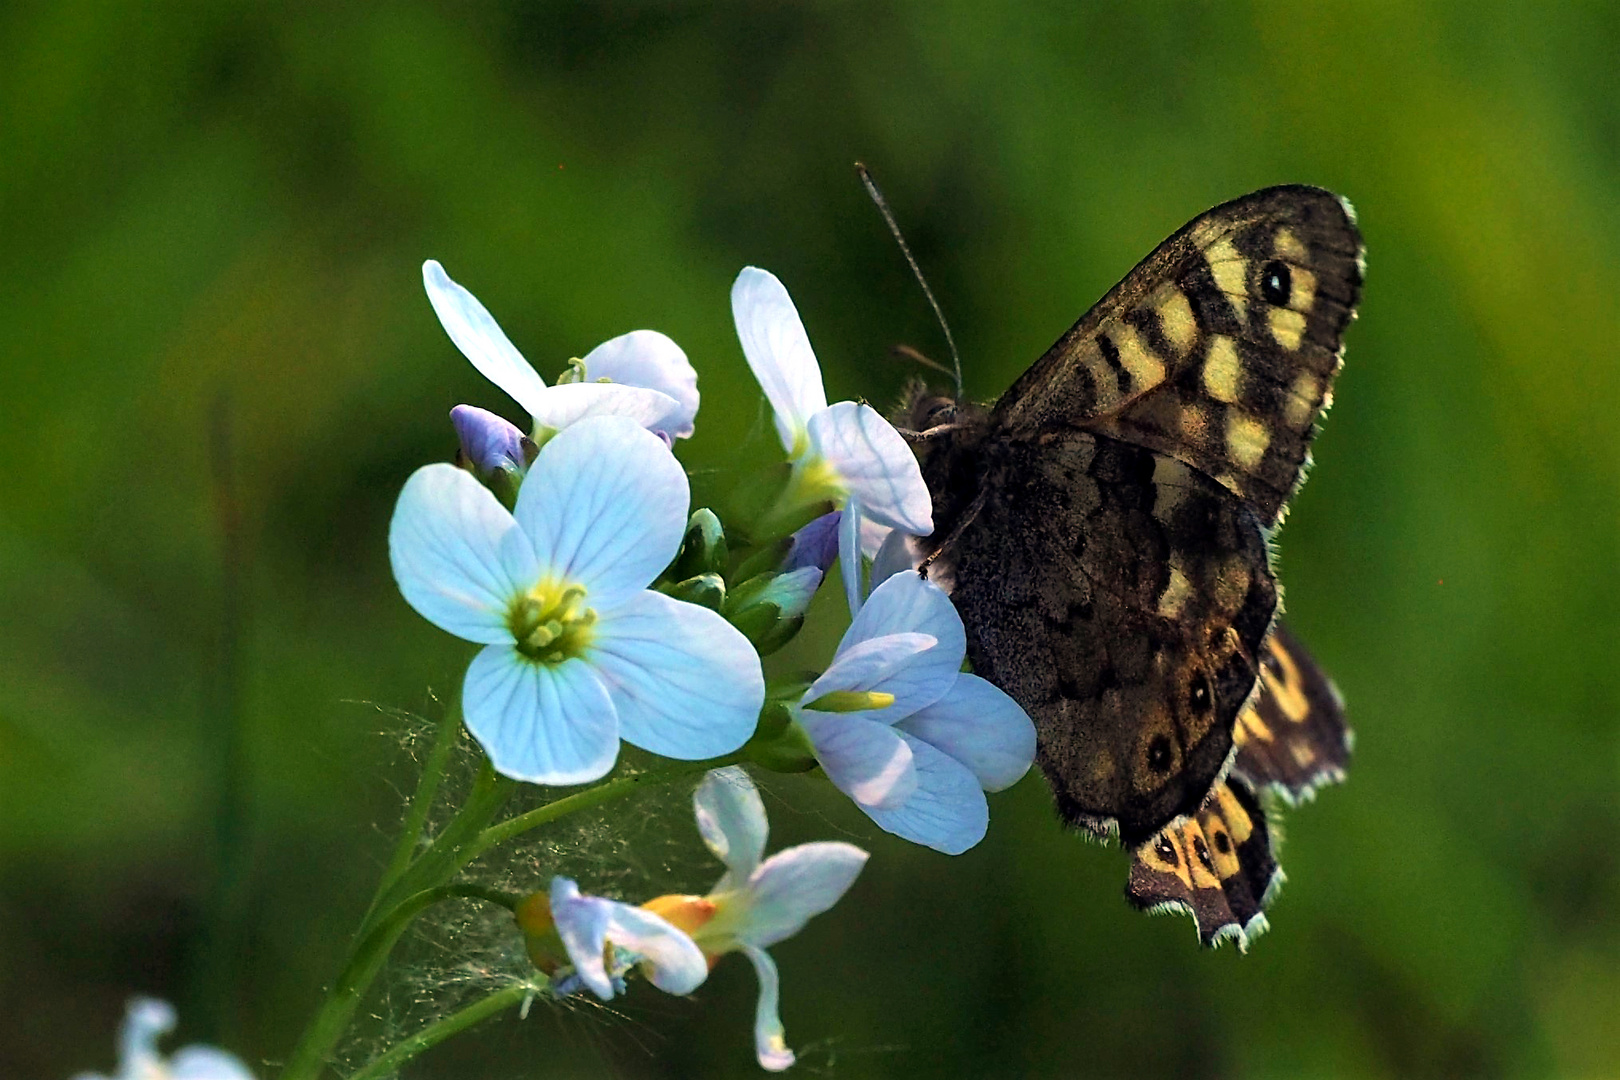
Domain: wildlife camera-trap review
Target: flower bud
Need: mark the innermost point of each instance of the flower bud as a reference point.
(814, 545)
(769, 608)
(704, 590)
(540, 938)
(703, 550)
(489, 443)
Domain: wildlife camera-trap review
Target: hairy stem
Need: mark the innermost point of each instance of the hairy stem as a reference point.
(434, 1034)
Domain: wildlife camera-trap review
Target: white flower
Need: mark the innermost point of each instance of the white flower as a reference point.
(900, 729)
(578, 651)
(138, 1057)
(757, 903)
(846, 452)
(605, 938)
(643, 374)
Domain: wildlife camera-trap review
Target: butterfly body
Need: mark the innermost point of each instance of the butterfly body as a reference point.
(1104, 528)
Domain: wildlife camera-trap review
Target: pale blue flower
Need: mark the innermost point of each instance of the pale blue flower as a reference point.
(147, 1020)
(845, 452)
(642, 375)
(900, 729)
(578, 651)
(758, 902)
(605, 938)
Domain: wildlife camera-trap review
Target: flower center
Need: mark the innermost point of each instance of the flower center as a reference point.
(550, 623)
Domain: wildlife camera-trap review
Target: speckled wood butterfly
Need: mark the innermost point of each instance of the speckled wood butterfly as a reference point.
(1104, 529)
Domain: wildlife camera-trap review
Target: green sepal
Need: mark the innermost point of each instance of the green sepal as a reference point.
(779, 743)
(762, 622)
(705, 590)
(703, 548)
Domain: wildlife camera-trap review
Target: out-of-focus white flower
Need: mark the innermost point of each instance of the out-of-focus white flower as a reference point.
(642, 375)
(578, 651)
(148, 1020)
(844, 452)
(602, 939)
(900, 729)
(757, 903)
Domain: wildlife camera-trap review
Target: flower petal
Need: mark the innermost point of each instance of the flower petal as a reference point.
(731, 820)
(146, 1020)
(894, 554)
(206, 1063)
(604, 506)
(543, 723)
(867, 761)
(875, 464)
(898, 664)
(947, 810)
(457, 554)
(851, 564)
(563, 406)
(794, 885)
(982, 728)
(770, 1039)
(670, 960)
(778, 351)
(907, 603)
(582, 923)
(480, 338)
(904, 604)
(686, 683)
(648, 358)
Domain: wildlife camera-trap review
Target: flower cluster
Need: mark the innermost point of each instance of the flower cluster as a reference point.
(608, 611)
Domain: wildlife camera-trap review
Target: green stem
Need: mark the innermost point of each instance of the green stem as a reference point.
(583, 800)
(436, 1033)
(333, 1019)
(444, 743)
(450, 850)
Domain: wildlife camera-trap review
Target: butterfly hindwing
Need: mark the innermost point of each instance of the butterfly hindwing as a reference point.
(1219, 349)
(1217, 866)
(1121, 598)
(1292, 739)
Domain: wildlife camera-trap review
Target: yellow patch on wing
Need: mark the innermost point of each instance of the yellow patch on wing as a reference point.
(1175, 594)
(1176, 320)
(1287, 246)
(1222, 369)
(1287, 327)
(1231, 273)
(1144, 365)
(1287, 689)
(1303, 398)
(1246, 440)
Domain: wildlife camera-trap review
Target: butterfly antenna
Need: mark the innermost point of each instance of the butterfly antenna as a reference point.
(894, 228)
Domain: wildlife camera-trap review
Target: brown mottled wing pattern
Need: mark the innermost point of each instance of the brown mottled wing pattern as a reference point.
(1216, 866)
(1219, 349)
(1292, 739)
(1122, 599)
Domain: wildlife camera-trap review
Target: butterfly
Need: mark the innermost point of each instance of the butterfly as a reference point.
(1104, 529)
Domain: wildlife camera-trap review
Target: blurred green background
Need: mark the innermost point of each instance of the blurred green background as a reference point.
(218, 366)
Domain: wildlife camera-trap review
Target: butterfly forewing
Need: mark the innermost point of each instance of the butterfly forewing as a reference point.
(1219, 349)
